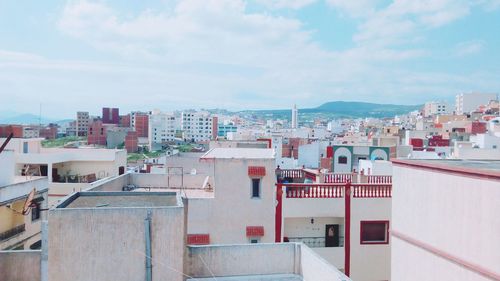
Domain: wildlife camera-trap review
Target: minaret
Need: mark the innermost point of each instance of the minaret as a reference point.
(294, 117)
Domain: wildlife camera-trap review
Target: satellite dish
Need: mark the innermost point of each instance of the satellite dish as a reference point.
(193, 171)
(27, 203)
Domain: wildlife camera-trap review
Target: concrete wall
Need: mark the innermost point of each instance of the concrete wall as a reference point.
(8, 169)
(456, 214)
(109, 244)
(309, 155)
(342, 168)
(251, 259)
(369, 262)
(226, 216)
(315, 268)
(20, 265)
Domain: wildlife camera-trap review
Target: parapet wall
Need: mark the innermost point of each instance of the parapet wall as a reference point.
(20, 265)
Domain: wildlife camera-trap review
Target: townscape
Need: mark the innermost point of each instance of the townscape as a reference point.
(204, 195)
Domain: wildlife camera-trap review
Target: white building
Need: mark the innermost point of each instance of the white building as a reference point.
(68, 169)
(161, 129)
(435, 108)
(295, 116)
(82, 123)
(197, 126)
(18, 230)
(467, 102)
(445, 223)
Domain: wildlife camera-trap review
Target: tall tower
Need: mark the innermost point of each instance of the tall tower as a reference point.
(295, 114)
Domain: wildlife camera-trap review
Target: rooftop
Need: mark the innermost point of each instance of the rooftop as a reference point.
(119, 200)
(243, 153)
(479, 168)
(270, 277)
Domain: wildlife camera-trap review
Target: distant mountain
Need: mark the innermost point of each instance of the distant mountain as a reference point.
(24, 119)
(361, 109)
(344, 109)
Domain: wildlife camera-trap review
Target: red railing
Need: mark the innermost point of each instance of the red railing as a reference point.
(292, 173)
(379, 179)
(338, 178)
(314, 191)
(372, 190)
(336, 190)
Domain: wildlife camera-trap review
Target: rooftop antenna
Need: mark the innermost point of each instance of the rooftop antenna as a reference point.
(29, 204)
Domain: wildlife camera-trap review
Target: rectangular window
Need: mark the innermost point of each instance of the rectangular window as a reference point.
(254, 240)
(255, 188)
(342, 160)
(35, 211)
(374, 232)
(25, 147)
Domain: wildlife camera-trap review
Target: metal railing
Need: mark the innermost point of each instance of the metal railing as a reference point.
(12, 232)
(314, 242)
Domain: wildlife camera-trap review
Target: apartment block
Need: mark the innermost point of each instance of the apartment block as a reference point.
(198, 126)
(468, 102)
(110, 115)
(435, 108)
(161, 129)
(82, 123)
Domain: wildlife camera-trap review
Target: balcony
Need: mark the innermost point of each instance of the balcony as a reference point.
(314, 242)
(337, 190)
(12, 232)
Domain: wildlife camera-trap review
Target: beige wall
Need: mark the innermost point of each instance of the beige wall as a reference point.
(109, 243)
(369, 262)
(20, 265)
(455, 214)
(226, 216)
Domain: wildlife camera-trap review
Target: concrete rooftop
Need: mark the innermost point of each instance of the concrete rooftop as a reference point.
(272, 277)
(119, 200)
(243, 153)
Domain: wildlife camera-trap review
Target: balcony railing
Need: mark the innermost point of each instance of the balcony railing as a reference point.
(372, 190)
(314, 242)
(292, 173)
(337, 190)
(12, 232)
(338, 178)
(314, 191)
(379, 179)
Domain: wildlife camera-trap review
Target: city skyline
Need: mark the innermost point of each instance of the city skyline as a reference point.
(82, 55)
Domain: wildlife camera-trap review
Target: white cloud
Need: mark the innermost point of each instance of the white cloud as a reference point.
(469, 48)
(357, 8)
(285, 4)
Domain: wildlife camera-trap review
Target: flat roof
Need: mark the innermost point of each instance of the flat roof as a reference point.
(270, 277)
(120, 199)
(243, 153)
(478, 168)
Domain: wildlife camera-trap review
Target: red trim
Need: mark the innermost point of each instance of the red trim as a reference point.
(279, 213)
(347, 238)
(256, 171)
(254, 231)
(447, 256)
(465, 172)
(361, 226)
(198, 239)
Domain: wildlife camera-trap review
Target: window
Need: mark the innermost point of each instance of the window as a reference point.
(255, 188)
(35, 211)
(374, 232)
(342, 160)
(254, 240)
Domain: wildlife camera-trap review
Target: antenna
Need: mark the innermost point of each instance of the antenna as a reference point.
(27, 203)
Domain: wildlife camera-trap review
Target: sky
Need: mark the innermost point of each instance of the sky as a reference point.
(237, 54)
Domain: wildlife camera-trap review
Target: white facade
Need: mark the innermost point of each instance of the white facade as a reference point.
(295, 114)
(435, 108)
(197, 126)
(82, 123)
(445, 222)
(161, 129)
(467, 102)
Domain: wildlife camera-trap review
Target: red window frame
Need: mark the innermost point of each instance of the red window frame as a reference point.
(363, 228)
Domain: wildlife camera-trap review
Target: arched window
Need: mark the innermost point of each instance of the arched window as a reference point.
(342, 160)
